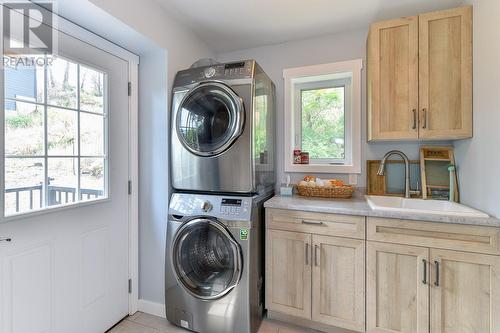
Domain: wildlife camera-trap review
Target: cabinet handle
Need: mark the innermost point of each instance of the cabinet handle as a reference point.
(424, 280)
(414, 119)
(424, 110)
(307, 254)
(8, 239)
(312, 222)
(436, 283)
(316, 255)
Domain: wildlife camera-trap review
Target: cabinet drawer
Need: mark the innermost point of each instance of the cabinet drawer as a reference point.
(316, 223)
(467, 238)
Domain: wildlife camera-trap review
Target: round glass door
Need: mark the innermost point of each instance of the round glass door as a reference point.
(209, 119)
(206, 259)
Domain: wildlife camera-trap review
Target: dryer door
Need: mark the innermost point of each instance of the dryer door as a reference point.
(207, 260)
(209, 119)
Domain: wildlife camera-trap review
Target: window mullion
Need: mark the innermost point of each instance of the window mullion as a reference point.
(45, 137)
(78, 186)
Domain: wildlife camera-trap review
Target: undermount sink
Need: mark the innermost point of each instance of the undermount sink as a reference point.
(438, 207)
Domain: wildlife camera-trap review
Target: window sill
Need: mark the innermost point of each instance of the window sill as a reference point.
(323, 168)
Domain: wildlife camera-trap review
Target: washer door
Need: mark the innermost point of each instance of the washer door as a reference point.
(209, 119)
(206, 259)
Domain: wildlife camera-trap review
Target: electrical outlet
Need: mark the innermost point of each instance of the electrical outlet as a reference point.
(353, 179)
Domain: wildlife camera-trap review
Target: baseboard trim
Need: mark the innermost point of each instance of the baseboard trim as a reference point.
(155, 309)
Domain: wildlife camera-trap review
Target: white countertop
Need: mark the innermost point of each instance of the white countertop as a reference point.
(358, 206)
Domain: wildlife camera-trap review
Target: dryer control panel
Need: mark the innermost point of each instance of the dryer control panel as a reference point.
(219, 72)
(224, 207)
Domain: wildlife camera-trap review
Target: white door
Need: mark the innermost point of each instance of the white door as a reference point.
(66, 199)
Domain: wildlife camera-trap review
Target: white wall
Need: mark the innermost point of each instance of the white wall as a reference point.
(339, 47)
(151, 20)
(479, 158)
(177, 48)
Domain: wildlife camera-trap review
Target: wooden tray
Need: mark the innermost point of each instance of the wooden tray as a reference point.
(377, 185)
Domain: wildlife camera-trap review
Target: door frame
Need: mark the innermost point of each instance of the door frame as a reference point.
(65, 26)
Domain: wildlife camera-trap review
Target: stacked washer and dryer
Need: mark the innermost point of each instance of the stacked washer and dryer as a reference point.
(222, 169)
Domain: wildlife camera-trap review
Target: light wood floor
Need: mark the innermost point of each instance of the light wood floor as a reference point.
(144, 323)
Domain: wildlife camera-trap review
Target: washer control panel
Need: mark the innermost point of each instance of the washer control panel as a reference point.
(223, 207)
(231, 206)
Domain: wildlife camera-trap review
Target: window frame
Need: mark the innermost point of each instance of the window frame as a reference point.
(319, 76)
(46, 156)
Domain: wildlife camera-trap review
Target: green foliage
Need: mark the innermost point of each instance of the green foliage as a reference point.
(323, 123)
(20, 121)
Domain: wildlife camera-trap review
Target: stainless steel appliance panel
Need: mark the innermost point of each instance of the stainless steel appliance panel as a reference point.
(201, 158)
(240, 310)
(230, 171)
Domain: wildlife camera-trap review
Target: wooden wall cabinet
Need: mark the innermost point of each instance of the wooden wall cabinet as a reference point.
(317, 278)
(419, 79)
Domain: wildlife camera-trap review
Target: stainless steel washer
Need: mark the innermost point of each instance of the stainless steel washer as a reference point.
(222, 129)
(214, 265)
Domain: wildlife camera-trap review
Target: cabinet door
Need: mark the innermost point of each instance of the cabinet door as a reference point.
(393, 79)
(338, 282)
(445, 70)
(397, 288)
(465, 292)
(288, 273)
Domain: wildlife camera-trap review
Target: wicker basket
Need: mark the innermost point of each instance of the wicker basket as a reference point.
(339, 192)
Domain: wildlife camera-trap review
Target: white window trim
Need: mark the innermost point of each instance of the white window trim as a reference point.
(289, 74)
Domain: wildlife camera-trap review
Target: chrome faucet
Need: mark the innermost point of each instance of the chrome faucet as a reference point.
(381, 170)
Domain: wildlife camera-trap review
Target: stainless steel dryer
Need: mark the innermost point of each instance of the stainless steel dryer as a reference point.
(214, 267)
(222, 129)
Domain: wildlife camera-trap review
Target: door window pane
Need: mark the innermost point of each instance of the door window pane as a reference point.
(23, 129)
(91, 134)
(55, 150)
(23, 82)
(62, 132)
(24, 178)
(63, 180)
(91, 90)
(92, 178)
(62, 83)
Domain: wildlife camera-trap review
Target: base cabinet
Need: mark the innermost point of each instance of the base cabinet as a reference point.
(319, 279)
(416, 289)
(338, 282)
(390, 276)
(465, 292)
(288, 273)
(397, 287)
